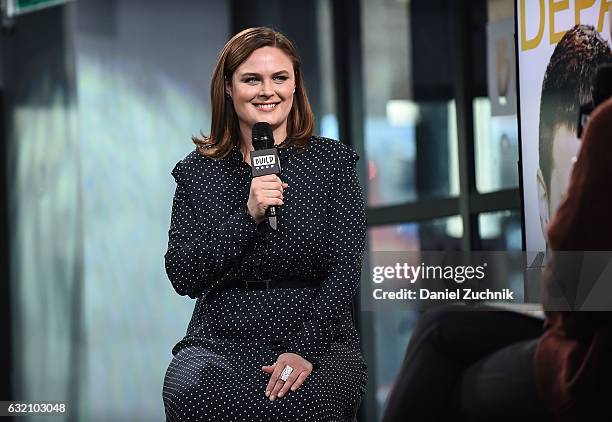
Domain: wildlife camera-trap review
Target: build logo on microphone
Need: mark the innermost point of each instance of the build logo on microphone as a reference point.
(264, 161)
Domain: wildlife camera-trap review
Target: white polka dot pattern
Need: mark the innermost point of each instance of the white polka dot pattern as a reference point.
(216, 371)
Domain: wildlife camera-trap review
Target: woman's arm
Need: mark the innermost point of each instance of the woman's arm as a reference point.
(346, 242)
(200, 257)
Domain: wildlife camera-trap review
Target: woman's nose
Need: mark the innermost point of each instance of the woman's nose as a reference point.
(267, 88)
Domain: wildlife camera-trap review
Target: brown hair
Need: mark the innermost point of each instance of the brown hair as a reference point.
(224, 129)
(567, 85)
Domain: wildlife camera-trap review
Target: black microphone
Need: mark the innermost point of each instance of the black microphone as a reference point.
(264, 160)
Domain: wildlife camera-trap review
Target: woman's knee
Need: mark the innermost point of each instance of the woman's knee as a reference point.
(184, 384)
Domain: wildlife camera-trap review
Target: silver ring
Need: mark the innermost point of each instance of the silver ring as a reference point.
(287, 370)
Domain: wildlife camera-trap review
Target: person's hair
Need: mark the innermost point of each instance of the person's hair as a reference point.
(568, 85)
(224, 128)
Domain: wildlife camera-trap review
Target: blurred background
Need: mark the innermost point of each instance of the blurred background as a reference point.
(99, 99)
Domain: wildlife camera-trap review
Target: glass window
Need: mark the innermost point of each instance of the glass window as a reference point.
(410, 129)
(495, 120)
(496, 148)
(500, 231)
(392, 329)
(328, 116)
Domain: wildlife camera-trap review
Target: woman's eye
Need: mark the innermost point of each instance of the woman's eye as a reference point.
(250, 80)
(281, 78)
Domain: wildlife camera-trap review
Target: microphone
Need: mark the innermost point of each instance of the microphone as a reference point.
(264, 160)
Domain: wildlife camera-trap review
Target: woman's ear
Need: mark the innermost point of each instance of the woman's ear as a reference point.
(228, 89)
(543, 203)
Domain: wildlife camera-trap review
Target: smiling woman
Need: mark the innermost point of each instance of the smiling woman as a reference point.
(258, 72)
(271, 337)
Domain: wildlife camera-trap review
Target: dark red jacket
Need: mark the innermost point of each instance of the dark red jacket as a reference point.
(574, 357)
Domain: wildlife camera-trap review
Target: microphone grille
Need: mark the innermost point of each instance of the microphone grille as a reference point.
(262, 136)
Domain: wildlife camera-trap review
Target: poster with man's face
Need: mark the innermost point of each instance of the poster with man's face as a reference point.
(559, 46)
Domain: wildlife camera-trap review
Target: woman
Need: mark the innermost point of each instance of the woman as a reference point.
(271, 337)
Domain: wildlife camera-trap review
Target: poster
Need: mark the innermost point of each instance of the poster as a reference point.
(556, 60)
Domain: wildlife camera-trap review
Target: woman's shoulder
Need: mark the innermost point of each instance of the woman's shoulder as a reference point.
(191, 165)
(333, 150)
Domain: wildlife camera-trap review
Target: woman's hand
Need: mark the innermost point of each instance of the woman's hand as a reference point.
(276, 386)
(266, 191)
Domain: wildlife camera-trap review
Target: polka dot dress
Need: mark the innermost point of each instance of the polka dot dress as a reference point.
(216, 374)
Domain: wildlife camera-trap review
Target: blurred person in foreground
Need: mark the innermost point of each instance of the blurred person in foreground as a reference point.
(572, 361)
(483, 364)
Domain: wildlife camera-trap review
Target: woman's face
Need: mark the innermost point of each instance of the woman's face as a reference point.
(262, 89)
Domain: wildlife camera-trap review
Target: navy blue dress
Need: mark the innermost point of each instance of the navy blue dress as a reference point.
(216, 374)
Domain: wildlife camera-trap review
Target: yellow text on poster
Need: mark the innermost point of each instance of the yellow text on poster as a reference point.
(548, 9)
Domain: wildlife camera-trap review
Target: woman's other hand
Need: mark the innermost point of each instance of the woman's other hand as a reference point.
(277, 388)
(266, 191)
